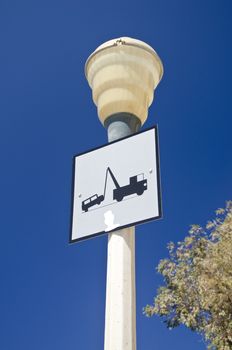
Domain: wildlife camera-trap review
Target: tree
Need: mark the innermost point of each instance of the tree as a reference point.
(198, 282)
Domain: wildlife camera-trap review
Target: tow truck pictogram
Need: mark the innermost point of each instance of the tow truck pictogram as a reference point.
(137, 184)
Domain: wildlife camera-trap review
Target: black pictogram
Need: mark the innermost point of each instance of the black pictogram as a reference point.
(137, 185)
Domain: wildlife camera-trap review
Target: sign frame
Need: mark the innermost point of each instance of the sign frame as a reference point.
(160, 214)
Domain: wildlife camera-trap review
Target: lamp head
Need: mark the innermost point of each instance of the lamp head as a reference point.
(123, 74)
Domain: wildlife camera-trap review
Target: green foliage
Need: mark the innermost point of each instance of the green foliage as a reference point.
(198, 282)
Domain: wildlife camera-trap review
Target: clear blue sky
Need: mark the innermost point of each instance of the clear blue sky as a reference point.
(52, 294)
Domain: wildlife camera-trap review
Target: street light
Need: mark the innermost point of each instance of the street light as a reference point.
(123, 74)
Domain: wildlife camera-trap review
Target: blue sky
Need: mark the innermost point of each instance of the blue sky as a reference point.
(53, 294)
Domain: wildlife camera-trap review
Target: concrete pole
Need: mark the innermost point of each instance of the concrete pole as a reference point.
(123, 74)
(120, 313)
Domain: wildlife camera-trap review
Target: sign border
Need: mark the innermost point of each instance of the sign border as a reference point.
(159, 216)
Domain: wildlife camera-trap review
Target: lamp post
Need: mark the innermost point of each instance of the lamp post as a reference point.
(123, 74)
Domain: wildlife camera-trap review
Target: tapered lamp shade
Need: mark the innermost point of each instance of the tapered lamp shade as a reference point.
(123, 74)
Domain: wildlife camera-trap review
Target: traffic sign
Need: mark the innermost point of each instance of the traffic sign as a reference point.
(116, 185)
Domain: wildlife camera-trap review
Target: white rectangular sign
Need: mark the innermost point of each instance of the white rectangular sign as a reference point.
(116, 186)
